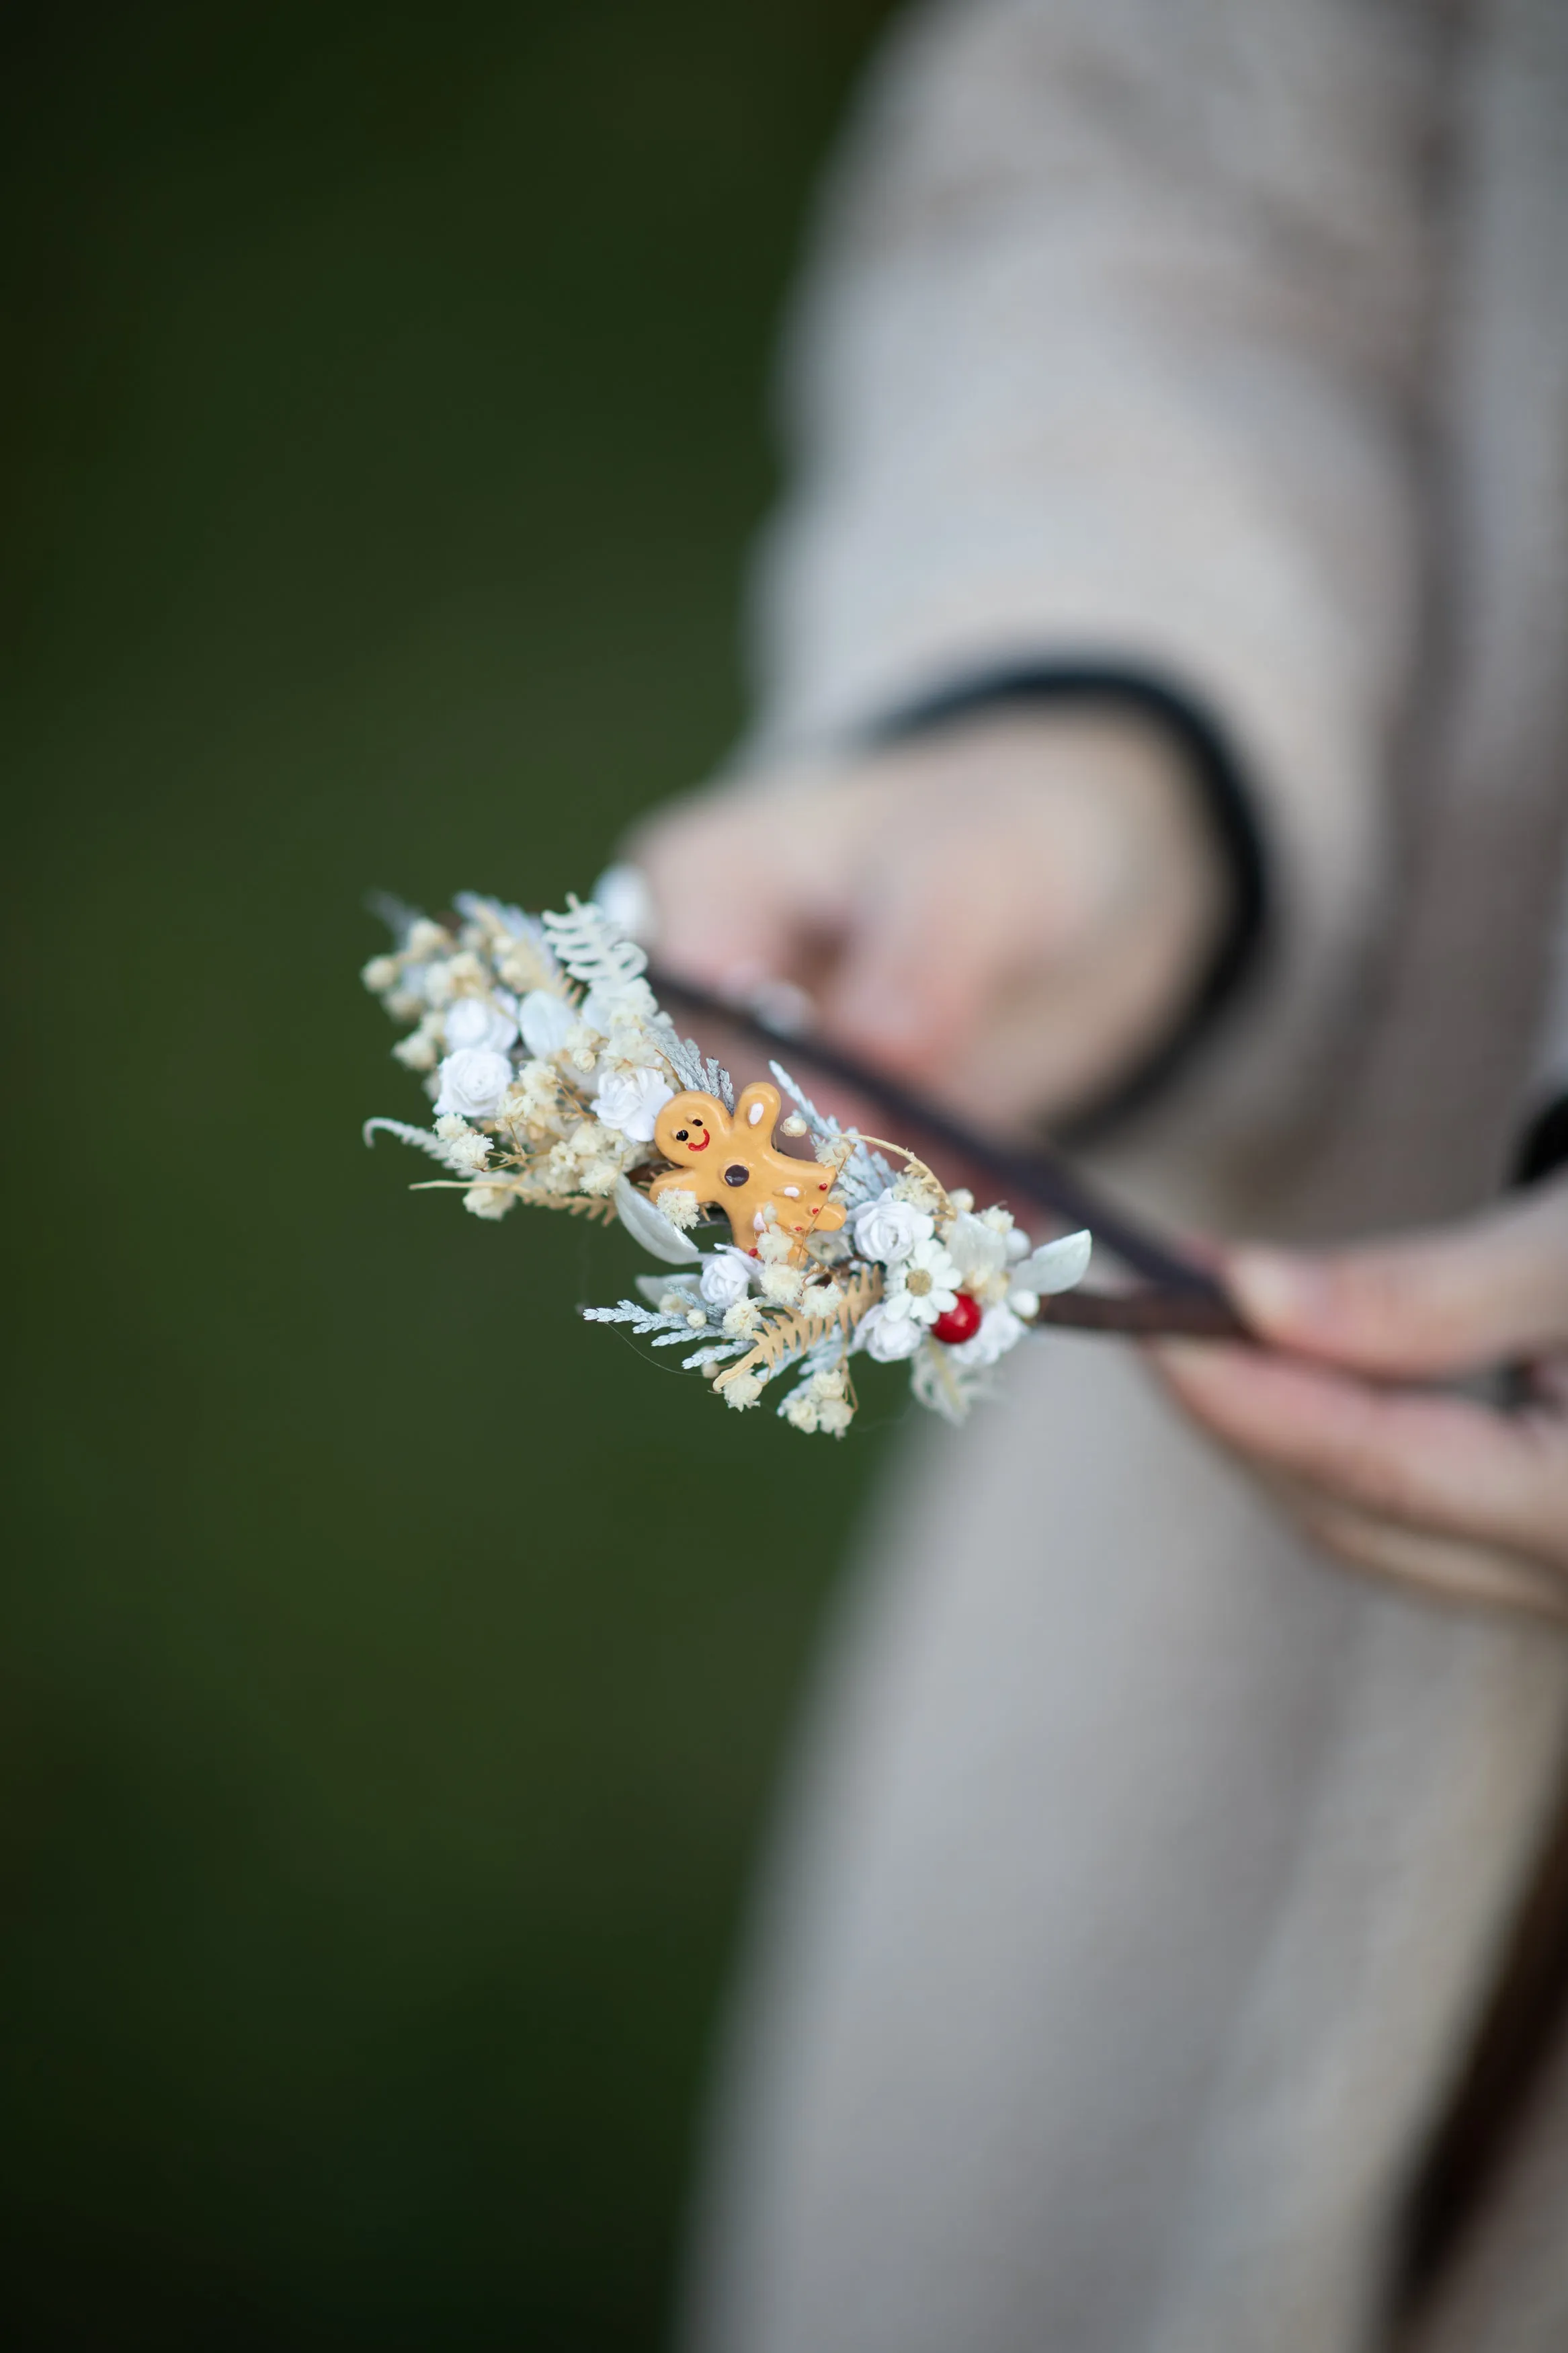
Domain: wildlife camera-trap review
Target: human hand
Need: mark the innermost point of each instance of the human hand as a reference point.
(1008, 913)
(1432, 1489)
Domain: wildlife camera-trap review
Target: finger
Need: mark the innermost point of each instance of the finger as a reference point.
(1444, 1570)
(1436, 1463)
(1445, 1566)
(920, 967)
(737, 893)
(1434, 1302)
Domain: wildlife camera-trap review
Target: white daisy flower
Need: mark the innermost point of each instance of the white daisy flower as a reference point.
(923, 1286)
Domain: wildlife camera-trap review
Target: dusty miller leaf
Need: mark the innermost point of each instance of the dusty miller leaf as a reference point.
(865, 1175)
(421, 1138)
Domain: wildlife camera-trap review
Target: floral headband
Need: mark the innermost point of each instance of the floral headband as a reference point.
(557, 1080)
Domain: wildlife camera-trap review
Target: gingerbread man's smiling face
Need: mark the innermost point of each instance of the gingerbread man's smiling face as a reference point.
(689, 1134)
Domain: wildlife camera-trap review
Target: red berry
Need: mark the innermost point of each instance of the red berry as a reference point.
(961, 1322)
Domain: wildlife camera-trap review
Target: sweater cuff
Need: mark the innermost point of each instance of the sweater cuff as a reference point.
(1218, 781)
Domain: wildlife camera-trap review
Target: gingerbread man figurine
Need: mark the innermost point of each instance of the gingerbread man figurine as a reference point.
(729, 1160)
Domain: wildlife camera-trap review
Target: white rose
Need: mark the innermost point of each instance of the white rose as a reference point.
(886, 1341)
(546, 1018)
(888, 1230)
(999, 1331)
(473, 1082)
(480, 1022)
(726, 1277)
(632, 1101)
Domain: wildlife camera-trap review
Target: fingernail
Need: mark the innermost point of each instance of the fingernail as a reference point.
(1274, 1287)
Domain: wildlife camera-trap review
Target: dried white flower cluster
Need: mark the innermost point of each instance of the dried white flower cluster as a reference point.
(547, 1061)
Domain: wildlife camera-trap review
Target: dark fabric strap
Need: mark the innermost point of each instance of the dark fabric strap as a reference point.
(1218, 778)
(1527, 2010)
(1545, 1146)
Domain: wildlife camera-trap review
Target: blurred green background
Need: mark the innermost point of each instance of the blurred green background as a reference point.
(384, 426)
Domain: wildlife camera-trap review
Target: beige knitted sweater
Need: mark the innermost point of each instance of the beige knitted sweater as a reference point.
(1143, 1877)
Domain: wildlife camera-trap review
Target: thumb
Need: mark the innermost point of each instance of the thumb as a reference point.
(731, 904)
(1453, 1300)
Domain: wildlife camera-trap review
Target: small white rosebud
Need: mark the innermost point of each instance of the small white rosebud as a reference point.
(726, 1277)
(381, 973)
(475, 1021)
(473, 1082)
(999, 1331)
(631, 1101)
(887, 1341)
(793, 1126)
(963, 1199)
(889, 1230)
(427, 939)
